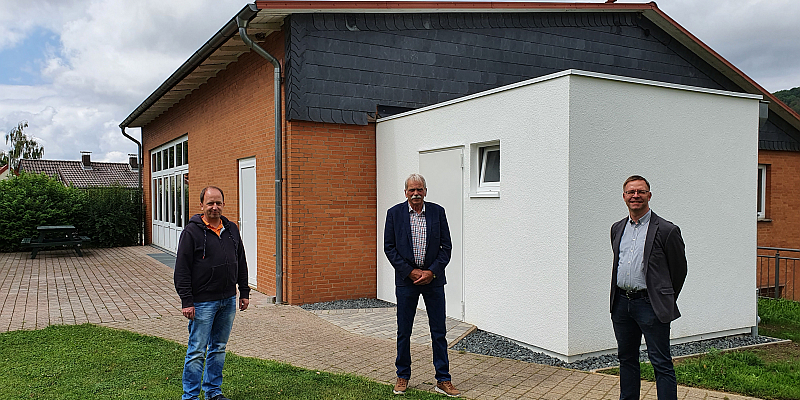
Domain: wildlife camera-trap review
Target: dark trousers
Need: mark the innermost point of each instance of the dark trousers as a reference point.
(632, 319)
(407, 299)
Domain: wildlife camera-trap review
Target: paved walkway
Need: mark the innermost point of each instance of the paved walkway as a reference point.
(125, 288)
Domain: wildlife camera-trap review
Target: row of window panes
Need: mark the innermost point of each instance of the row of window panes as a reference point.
(171, 199)
(171, 157)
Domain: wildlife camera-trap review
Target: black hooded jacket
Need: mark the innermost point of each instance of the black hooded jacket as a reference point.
(208, 267)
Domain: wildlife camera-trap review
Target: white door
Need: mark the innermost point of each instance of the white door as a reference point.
(247, 216)
(443, 174)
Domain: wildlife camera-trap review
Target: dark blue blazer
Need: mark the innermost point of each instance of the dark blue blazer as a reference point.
(398, 246)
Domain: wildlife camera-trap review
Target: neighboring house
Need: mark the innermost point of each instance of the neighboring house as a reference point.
(86, 174)
(5, 172)
(346, 67)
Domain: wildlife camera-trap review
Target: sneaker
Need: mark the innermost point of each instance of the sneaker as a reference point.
(219, 397)
(446, 387)
(401, 386)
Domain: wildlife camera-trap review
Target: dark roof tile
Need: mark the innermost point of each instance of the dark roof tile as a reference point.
(102, 174)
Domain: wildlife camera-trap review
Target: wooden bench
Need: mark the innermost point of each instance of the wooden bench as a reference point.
(55, 236)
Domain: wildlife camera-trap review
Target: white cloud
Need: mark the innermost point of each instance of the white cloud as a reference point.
(113, 54)
(759, 37)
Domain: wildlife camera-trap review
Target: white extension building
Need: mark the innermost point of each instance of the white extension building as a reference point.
(531, 177)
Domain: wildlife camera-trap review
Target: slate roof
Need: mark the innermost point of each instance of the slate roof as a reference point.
(340, 66)
(102, 174)
(345, 59)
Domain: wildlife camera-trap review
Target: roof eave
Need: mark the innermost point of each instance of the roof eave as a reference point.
(440, 6)
(285, 8)
(143, 114)
(226, 32)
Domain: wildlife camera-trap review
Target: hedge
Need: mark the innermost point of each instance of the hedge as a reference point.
(109, 215)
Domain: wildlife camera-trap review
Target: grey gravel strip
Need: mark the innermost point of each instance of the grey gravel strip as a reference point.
(487, 343)
(348, 304)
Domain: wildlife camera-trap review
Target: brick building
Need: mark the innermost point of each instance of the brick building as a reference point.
(345, 65)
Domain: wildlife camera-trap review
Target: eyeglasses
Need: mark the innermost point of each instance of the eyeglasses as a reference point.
(633, 192)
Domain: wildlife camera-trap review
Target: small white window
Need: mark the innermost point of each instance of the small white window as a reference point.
(762, 191)
(484, 167)
(490, 166)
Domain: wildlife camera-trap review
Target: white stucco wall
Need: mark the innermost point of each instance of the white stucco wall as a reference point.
(699, 151)
(537, 259)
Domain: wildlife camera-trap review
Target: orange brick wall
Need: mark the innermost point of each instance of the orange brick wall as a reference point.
(783, 200)
(228, 118)
(783, 209)
(329, 180)
(331, 210)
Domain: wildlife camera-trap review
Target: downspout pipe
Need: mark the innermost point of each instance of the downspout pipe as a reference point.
(141, 188)
(243, 20)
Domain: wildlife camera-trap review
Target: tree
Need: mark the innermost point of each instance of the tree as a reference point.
(791, 97)
(21, 147)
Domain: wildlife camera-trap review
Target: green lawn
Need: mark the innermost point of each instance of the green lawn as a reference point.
(779, 318)
(92, 362)
(768, 372)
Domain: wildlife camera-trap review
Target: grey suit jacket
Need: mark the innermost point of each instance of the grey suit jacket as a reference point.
(664, 266)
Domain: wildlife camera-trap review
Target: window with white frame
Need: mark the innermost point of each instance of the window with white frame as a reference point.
(490, 166)
(485, 175)
(762, 191)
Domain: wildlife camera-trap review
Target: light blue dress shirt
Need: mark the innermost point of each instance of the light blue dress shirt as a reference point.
(630, 271)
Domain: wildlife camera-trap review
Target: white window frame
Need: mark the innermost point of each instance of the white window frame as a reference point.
(478, 157)
(762, 195)
(484, 151)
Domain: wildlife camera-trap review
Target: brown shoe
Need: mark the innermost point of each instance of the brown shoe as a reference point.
(446, 387)
(401, 386)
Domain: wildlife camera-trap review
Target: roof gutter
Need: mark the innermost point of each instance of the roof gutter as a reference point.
(243, 20)
(141, 188)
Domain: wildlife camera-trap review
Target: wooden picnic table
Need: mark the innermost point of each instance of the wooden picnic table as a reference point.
(54, 236)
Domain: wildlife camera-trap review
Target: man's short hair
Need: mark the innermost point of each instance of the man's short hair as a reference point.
(203, 193)
(635, 178)
(416, 178)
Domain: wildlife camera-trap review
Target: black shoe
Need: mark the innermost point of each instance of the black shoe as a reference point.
(219, 397)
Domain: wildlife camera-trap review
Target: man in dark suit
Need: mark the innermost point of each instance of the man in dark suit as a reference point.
(648, 274)
(417, 244)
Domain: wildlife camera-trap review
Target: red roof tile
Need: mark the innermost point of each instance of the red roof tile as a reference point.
(72, 172)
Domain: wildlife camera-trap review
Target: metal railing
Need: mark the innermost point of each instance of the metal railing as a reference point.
(776, 276)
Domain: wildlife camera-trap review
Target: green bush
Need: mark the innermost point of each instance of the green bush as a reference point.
(30, 200)
(110, 216)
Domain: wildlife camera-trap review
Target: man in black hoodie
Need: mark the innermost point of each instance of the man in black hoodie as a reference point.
(209, 264)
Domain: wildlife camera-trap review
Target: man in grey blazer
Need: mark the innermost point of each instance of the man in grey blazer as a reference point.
(648, 274)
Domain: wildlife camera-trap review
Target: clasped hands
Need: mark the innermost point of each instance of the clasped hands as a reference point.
(421, 276)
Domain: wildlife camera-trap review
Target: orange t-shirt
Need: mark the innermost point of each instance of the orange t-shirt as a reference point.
(217, 229)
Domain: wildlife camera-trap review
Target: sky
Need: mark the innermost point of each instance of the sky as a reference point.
(74, 69)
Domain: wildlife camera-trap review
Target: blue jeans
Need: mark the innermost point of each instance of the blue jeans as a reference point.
(407, 299)
(632, 319)
(208, 337)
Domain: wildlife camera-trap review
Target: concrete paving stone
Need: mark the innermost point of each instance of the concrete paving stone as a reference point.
(125, 288)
